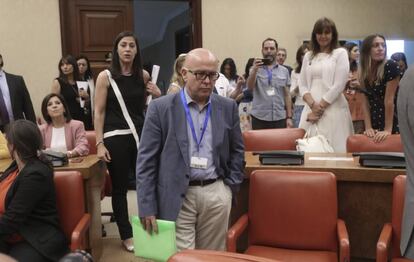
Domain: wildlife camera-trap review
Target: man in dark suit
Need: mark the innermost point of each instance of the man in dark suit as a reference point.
(406, 123)
(190, 159)
(15, 102)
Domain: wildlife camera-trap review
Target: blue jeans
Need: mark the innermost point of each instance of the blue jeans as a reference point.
(297, 112)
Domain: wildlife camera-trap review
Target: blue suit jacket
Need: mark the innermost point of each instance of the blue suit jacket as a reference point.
(163, 163)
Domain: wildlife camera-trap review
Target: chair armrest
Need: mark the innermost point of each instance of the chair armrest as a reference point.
(343, 239)
(78, 234)
(235, 231)
(383, 243)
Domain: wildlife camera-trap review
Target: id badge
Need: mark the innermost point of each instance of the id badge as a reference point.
(198, 162)
(271, 92)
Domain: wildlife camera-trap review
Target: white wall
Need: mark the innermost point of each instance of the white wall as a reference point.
(236, 28)
(30, 39)
(30, 43)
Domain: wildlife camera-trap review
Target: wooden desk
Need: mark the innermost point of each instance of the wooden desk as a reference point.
(364, 196)
(92, 171)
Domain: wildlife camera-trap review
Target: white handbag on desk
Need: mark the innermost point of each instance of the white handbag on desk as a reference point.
(316, 144)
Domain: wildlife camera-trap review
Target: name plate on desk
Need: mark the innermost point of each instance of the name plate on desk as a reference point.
(281, 157)
(331, 158)
(382, 159)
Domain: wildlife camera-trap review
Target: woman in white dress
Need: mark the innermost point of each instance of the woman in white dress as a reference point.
(323, 78)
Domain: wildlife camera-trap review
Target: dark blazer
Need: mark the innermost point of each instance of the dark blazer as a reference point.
(406, 123)
(163, 166)
(31, 210)
(20, 98)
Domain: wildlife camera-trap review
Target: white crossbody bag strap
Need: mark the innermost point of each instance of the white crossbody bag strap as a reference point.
(123, 106)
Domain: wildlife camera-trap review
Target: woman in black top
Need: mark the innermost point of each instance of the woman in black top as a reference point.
(115, 142)
(379, 79)
(65, 85)
(29, 223)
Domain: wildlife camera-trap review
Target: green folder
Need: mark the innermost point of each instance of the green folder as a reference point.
(158, 247)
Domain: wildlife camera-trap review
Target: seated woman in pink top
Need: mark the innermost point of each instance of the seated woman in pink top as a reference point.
(61, 133)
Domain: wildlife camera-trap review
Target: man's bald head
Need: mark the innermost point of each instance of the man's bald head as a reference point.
(200, 74)
(200, 55)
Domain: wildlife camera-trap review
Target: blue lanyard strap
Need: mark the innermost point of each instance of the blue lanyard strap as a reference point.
(269, 75)
(190, 119)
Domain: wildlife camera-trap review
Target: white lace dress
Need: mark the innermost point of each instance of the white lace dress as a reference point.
(336, 122)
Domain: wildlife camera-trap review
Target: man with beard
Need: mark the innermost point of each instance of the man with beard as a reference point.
(271, 106)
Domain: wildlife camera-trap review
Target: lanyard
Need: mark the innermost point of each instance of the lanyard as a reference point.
(269, 75)
(190, 120)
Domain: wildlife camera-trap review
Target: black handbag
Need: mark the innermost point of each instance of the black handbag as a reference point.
(56, 158)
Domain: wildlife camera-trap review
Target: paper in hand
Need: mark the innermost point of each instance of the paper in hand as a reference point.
(154, 77)
(82, 85)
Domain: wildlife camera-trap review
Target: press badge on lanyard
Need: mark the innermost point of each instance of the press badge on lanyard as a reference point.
(196, 161)
(270, 90)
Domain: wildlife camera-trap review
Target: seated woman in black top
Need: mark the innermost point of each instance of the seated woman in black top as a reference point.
(379, 78)
(29, 224)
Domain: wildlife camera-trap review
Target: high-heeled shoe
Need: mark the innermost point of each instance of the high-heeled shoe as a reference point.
(128, 244)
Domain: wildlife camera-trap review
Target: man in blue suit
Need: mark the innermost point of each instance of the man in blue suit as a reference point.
(190, 159)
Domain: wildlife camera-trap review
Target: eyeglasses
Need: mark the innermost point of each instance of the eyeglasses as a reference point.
(201, 76)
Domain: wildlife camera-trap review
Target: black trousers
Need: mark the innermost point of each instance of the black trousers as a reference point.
(123, 152)
(261, 124)
(24, 252)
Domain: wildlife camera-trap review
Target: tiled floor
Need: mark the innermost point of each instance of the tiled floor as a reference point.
(112, 249)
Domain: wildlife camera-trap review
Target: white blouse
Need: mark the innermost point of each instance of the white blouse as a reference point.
(58, 142)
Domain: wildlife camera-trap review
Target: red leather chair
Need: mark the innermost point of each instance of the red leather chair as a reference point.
(272, 139)
(292, 216)
(391, 232)
(70, 200)
(107, 187)
(91, 136)
(214, 256)
(362, 143)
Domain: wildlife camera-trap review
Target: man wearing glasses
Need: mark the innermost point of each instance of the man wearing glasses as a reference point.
(190, 160)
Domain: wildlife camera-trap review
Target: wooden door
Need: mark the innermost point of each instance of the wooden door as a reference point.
(89, 27)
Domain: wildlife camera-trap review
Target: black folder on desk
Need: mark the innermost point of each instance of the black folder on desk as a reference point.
(281, 157)
(381, 159)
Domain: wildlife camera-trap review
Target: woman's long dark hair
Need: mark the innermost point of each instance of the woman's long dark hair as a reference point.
(299, 57)
(26, 139)
(400, 56)
(115, 67)
(88, 73)
(324, 24)
(68, 59)
(249, 64)
(233, 71)
(353, 65)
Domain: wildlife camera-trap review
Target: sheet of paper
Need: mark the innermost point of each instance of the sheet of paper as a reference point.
(331, 158)
(154, 78)
(82, 85)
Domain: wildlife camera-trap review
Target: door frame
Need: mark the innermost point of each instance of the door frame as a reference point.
(196, 23)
